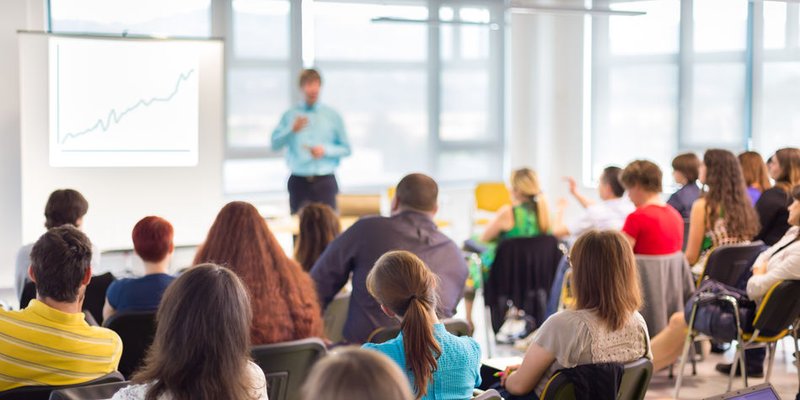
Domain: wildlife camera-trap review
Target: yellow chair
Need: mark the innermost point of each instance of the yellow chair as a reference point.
(489, 197)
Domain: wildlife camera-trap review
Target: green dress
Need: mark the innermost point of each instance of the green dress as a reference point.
(526, 224)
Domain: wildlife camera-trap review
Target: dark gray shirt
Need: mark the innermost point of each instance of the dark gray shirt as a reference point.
(356, 250)
(683, 199)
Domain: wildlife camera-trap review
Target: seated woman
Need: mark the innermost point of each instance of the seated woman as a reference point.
(723, 214)
(779, 262)
(342, 376)
(654, 228)
(441, 365)
(784, 168)
(201, 348)
(755, 174)
(604, 326)
(319, 225)
(685, 172)
(285, 305)
(152, 242)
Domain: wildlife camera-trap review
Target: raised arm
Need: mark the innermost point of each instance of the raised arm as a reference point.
(573, 190)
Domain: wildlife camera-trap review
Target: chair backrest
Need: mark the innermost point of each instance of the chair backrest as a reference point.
(633, 386)
(666, 285)
(779, 308)
(286, 365)
(490, 394)
(89, 392)
(455, 326)
(136, 329)
(93, 302)
(43, 392)
(729, 263)
(357, 205)
(335, 317)
(490, 196)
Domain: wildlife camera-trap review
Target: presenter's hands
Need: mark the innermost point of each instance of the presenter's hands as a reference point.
(299, 124)
(317, 152)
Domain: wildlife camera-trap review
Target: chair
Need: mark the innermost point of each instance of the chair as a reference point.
(358, 205)
(774, 320)
(43, 392)
(667, 284)
(730, 264)
(93, 302)
(490, 394)
(635, 379)
(92, 392)
(489, 197)
(136, 329)
(286, 365)
(457, 327)
(335, 317)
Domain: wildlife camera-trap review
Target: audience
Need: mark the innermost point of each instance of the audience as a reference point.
(355, 374)
(411, 227)
(604, 325)
(723, 214)
(779, 262)
(64, 206)
(654, 228)
(49, 342)
(610, 213)
(685, 172)
(201, 349)
(152, 242)
(784, 168)
(319, 225)
(284, 303)
(755, 173)
(439, 364)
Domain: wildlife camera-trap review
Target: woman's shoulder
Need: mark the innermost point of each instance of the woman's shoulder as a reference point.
(567, 320)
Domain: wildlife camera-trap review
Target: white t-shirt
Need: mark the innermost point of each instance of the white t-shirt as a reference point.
(608, 214)
(138, 392)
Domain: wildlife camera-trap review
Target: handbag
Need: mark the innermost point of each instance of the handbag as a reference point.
(715, 317)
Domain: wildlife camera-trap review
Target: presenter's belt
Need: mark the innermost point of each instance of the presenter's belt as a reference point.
(313, 178)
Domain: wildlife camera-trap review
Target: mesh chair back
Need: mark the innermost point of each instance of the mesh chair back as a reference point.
(633, 386)
(286, 365)
(43, 392)
(93, 302)
(729, 264)
(457, 327)
(136, 329)
(91, 392)
(779, 309)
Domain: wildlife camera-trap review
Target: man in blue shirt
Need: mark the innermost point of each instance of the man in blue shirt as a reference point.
(316, 141)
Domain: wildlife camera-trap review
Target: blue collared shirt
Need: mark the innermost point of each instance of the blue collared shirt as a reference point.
(325, 128)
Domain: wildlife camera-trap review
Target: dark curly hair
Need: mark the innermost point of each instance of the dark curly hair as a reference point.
(726, 195)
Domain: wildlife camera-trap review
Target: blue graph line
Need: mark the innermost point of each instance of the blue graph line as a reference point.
(114, 117)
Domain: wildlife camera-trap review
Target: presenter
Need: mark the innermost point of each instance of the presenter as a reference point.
(316, 141)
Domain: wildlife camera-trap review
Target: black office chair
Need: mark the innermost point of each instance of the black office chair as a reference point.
(93, 302)
(89, 392)
(43, 392)
(730, 264)
(635, 379)
(286, 365)
(457, 327)
(136, 329)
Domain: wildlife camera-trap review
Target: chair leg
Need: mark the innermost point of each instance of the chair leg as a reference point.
(733, 366)
(685, 353)
(742, 364)
(796, 353)
(771, 348)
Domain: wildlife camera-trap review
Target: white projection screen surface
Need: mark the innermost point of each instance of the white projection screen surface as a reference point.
(123, 103)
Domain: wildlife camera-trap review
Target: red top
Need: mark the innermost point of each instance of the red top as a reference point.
(657, 229)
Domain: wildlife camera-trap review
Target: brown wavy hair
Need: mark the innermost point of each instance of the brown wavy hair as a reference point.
(789, 160)
(319, 225)
(754, 171)
(605, 278)
(202, 344)
(726, 196)
(403, 283)
(283, 296)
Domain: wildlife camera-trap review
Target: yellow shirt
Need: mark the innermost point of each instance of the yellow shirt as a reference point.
(43, 346)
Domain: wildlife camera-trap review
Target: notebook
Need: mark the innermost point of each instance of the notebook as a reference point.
(764, 391)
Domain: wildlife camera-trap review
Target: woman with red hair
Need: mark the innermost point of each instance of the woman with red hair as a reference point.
(284, 299)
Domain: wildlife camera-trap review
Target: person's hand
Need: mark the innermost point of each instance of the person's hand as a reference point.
(562, 204)
(317, 152)
(299, 124)
(760, 269)
(573, 186)
(507, 373)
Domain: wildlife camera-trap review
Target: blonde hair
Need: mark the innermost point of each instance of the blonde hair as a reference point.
(525, 182)
(403, 283)
(356, 374)
(605, 278)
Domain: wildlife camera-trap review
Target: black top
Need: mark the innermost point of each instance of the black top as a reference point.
(773, 212)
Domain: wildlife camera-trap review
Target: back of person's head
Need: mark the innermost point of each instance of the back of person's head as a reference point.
(754, 170)
(356, 374)
(688, 164)
(643, 174)
(789, 162)
(611, 178)
(605, 277)
(417, 192)
(401, 282)
(60, 260)
(152, 238)
(727, 195)
(525, 182)
(319, 225)
(65, 206)
(202, 344)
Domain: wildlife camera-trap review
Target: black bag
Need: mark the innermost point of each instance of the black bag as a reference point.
(715, 317)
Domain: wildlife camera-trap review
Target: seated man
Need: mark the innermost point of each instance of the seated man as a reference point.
(410, 228)
(49, 342)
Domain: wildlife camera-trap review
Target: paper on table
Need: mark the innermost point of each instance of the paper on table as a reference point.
(501, 363)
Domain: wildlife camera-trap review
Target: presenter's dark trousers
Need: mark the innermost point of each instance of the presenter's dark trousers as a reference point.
(310, 189)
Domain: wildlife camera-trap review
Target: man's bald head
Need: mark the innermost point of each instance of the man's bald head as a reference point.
(418, 192)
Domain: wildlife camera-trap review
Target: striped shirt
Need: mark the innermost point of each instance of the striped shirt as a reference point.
(43, 346)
